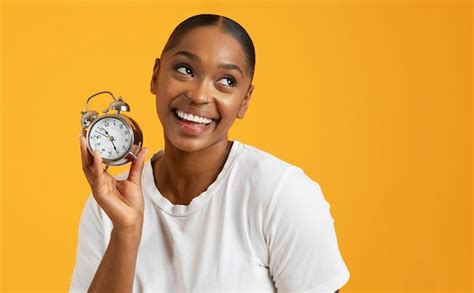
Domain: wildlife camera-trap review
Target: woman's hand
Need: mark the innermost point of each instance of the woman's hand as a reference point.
(122, 201)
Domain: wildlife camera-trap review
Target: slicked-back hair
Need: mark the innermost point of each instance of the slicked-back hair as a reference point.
(226, 24)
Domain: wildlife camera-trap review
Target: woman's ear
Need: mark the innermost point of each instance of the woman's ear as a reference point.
(154, 77)
(245, 103)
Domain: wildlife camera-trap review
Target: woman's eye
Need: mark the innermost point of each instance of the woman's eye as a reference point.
(227, 81)
(184, 69)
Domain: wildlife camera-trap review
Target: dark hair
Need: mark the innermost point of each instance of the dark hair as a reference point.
(228, 25)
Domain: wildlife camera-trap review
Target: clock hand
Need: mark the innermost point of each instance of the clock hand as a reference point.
(111, 138)
(114, 145)
(102, 134)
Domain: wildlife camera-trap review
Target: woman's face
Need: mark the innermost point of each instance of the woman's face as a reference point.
(206, 75)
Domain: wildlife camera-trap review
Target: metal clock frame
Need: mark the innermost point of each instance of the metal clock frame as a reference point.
(90, 117)
(133, 148)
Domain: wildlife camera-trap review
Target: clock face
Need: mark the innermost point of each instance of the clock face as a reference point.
(111, 137)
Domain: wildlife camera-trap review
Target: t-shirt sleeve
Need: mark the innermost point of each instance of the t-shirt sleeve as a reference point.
(303, 250)
(91, 245)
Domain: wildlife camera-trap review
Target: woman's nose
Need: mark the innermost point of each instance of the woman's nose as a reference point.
(199, 93)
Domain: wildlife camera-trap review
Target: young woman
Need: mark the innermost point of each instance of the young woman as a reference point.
(205, 213)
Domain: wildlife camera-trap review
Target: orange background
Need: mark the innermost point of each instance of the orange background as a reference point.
(372, 99)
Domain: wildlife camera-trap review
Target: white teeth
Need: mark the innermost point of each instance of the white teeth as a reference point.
(193, 118)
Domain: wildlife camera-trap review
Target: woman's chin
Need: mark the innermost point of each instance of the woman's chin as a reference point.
(188, 144)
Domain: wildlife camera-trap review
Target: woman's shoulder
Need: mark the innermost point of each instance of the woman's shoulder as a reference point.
(270, 173)
(262, 166)
(279, 186)
(258, 161)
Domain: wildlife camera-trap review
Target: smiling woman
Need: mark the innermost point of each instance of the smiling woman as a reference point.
(205, 213)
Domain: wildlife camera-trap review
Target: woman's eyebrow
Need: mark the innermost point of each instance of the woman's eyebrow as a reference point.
(231, 67)
(188, 54)
(195, 57)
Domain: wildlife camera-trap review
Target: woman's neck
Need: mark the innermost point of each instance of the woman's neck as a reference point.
(181, 176)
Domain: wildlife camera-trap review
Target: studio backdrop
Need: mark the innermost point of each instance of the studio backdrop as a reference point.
(373, 99)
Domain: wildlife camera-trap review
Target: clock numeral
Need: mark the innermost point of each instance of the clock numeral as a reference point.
(121, 126)
(106, 124)
(110, 153)
(103, 150)
(125, 132)
(123, 147)
(126, 139)
(114, 123)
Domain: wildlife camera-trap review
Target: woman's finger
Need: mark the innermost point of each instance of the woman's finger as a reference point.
(85, 158)
(136, 168)
(97, 167)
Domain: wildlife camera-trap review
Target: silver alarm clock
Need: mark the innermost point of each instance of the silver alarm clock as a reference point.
(117, 137)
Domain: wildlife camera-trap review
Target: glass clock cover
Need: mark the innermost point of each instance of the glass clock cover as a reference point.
(111, 137)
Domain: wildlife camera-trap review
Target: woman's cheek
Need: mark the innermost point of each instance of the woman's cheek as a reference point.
(167, 89)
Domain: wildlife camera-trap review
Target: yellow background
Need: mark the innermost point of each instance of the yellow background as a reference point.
(372, 99)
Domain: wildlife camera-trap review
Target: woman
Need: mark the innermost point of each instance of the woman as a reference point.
(205, 213)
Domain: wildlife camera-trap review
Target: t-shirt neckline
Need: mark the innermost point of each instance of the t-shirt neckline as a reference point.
(184, 210)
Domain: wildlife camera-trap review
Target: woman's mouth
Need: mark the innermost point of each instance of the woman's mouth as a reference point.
(196, 126)
(191, 118)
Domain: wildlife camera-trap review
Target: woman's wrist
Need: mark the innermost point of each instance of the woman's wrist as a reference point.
(129, 233)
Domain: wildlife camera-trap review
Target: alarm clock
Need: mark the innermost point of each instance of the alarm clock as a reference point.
(117, 137)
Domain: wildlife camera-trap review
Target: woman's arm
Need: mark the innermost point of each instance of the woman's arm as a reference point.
(117, 268)
(122, 201)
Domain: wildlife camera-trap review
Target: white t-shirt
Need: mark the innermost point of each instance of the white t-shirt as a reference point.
(262, 225)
